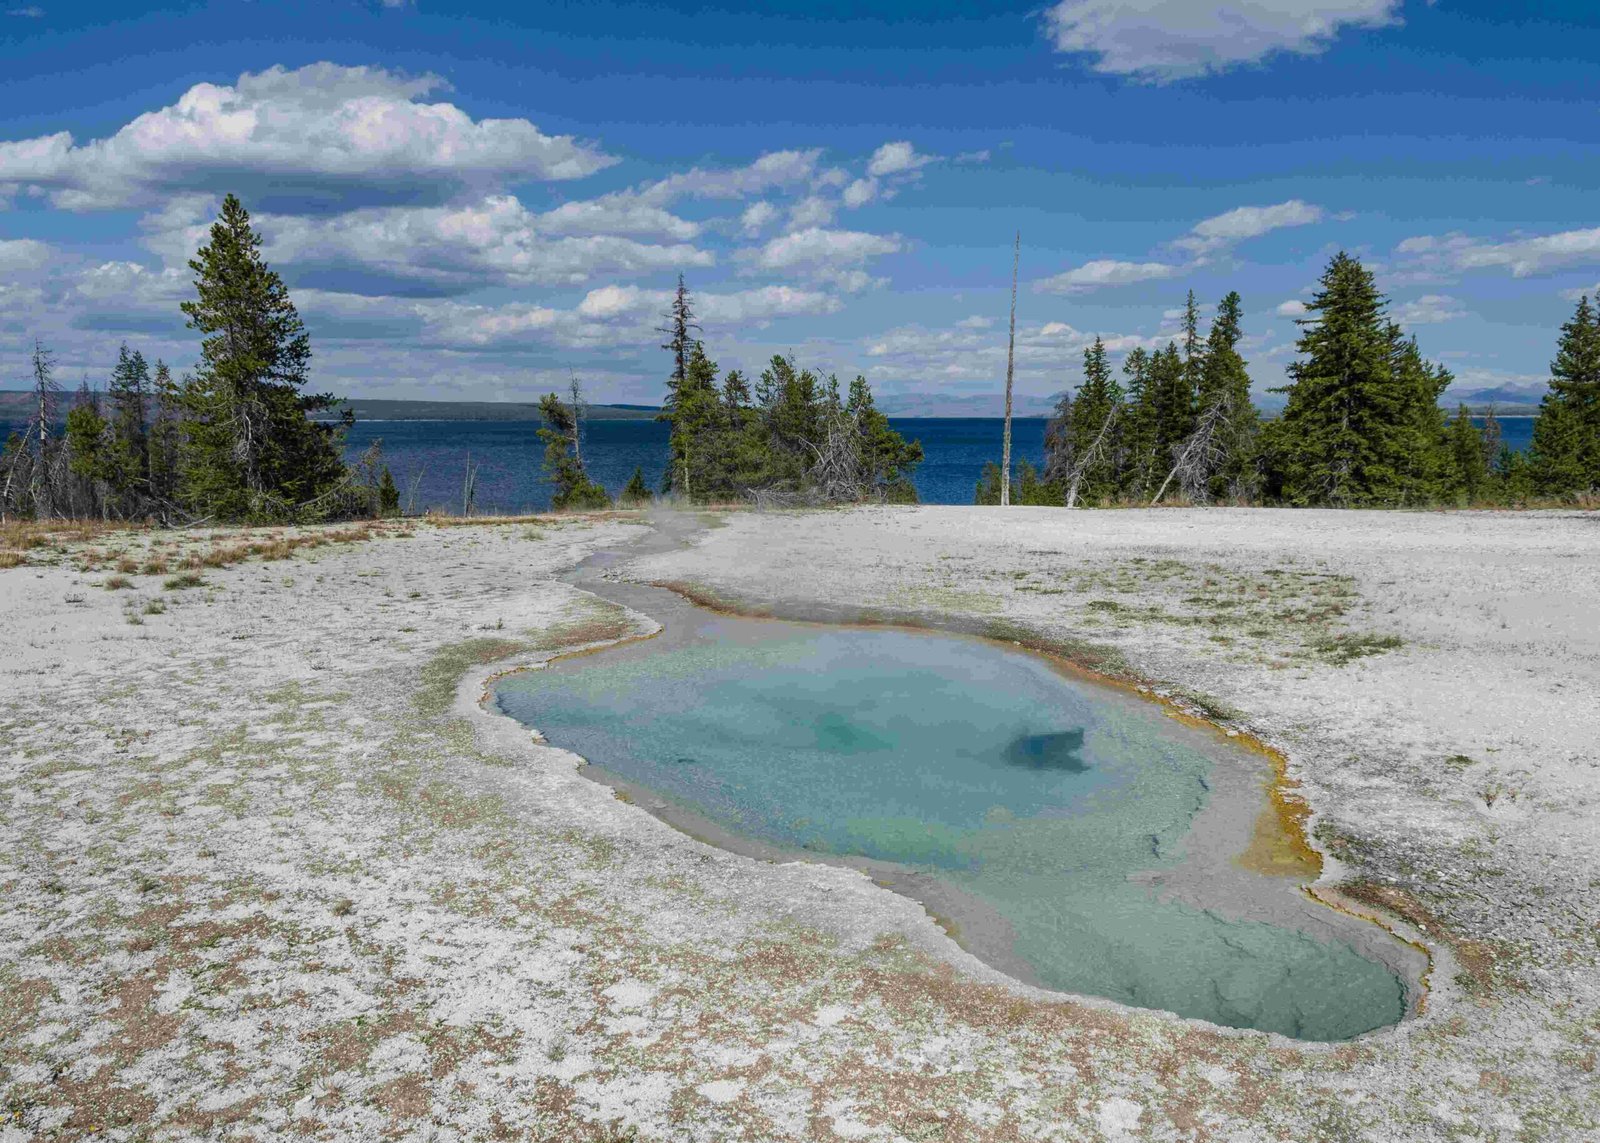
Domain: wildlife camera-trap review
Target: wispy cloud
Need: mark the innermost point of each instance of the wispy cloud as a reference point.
(1523, 256)
(1246, 222)
(1206, 239)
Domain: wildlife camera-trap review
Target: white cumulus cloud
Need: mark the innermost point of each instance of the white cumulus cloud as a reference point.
(1429, 309)
(1163, 40)
(315, 132)
(897, 158)
(817, 248)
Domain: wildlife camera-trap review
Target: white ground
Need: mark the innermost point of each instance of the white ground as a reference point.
(268, 871)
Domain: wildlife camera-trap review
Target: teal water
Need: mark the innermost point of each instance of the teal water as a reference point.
(972, 763)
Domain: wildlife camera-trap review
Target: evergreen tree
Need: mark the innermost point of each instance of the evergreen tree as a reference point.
(128, 462)
(885, 457)
(1225, 386)
(165, 441)
(89, 455)
(1471, 474)
(1096, 442)
(1194, 350)
(791, 406)
(570, 484)
(1566, 435)
(250, 448)
(680, 330)
(388, 494)
(1430, 470)
(1514, 475)
(635, 492)
(697, 466)
(1059, 434)
(1171, 406)
(1139, 427)
(1344, 437)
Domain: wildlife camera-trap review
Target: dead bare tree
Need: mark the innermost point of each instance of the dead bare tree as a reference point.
(469, 487)
(576, 388)
(1097, 452)
(1011, 357)
(412, 487)
(1200, 454)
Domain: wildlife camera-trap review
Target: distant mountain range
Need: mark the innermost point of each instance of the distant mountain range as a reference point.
(1507, 400)
(980, 405)
(381, 409)
(17, 405)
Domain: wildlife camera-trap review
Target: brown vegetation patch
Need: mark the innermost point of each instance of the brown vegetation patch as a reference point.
(404, 1098)
(19, 1005)
(1482, 963)
(348, 1044)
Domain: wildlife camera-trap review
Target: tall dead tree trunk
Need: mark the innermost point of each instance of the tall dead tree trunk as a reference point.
(1201, 451)
(1011, 355)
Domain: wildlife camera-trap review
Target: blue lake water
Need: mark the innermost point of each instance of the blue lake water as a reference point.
(509, 453)
(956, 449)
(972, 764)
(434, 453)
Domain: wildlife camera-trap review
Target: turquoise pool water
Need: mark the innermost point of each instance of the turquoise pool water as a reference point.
(977, 765)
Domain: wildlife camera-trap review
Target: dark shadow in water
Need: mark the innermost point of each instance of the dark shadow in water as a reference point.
(1061, 751)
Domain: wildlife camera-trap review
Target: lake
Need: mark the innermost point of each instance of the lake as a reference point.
(433, 454)
(509, 455)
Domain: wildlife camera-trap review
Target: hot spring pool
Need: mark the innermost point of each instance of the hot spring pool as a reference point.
(1059, 805)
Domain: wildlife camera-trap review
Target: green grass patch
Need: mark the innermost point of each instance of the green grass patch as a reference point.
(1349, 646)
(443, 672)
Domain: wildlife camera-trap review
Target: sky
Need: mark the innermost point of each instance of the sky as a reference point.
(473, 200)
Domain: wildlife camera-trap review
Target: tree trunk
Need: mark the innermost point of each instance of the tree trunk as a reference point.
(1011, 353)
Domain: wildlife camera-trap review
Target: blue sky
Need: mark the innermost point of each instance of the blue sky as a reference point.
(471, 199)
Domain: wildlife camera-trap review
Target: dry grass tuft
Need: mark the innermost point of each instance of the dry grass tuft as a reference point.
(12, 559)
(117, 582)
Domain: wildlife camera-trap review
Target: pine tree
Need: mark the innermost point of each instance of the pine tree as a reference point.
(128, 459)
(1194, 350)
(1139, 427)
(1471, 474)
(1225, 386)
(697, 467)
(165, 441)
(89, 455)
(1344, 438)
(1566, 435)
(885, 457)
(570, 484)
(635, 492)
(388, 494)
(1172, 405)
(1430, 470)
(680, 330)
(251, 449)
(1059, 434)
(1096, 444)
